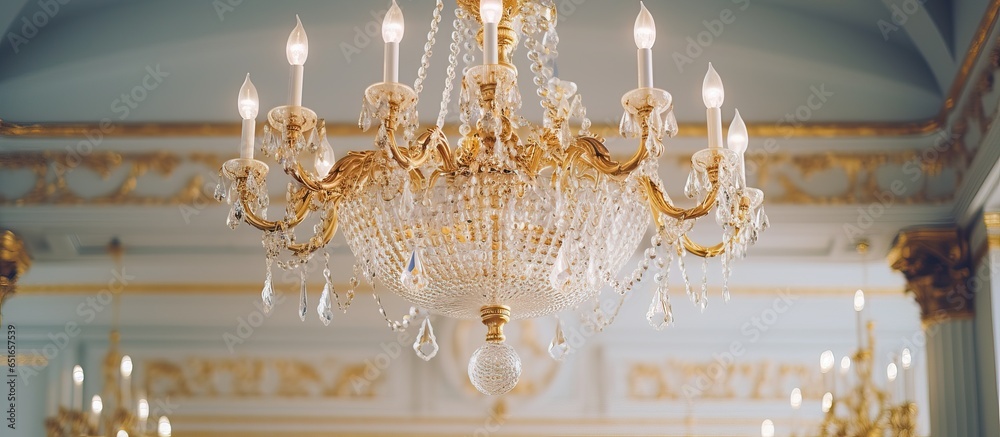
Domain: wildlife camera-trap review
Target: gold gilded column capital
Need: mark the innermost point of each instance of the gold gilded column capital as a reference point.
(14, 261)
(935, 262)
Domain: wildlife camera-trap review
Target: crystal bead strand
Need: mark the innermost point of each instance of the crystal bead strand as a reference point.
(395, 326)
(703, 298)
(457, 39)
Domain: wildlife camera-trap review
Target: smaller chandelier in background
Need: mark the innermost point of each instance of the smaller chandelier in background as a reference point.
(518, 220)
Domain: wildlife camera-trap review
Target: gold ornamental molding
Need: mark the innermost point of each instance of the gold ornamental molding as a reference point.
(992, 221)
(14, 261)
(936, 264)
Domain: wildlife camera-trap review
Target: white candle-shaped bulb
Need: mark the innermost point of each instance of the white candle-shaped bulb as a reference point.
(845, 365)
(859, 301)
(826, 361)
(163, 427)
(126, 366)
(827, 402)
(738, 138)
(645, 28)
(249, 105)
(248, 102)
(712, 91)
(767, 428)
(392, 33)
(713, 95)
(77, 400)
(491, 11)
(906, 359)
(96, 405)
(796, 398)
(891, 372)
(143, 410)
(122, 433)
(297, 51)
(77, 375)
(645, 37)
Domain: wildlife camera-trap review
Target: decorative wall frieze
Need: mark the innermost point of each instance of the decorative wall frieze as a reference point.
(763, 380)
(936, 264)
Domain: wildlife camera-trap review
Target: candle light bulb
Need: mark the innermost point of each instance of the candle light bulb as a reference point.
(645, 28)
(297, 49)
(392, 24)
(827, 402)
(143, 410)
(859, 300)
(891, 372)
(248, 102)
(491, 11)
(796, 398)
(712, 91)
(77, 375)
(767, 428)
(826, 361)
(738, 137)
(845, 365)
(96, 405)
(126, 366)
(122, 433)
(163, 427)
(906, 359)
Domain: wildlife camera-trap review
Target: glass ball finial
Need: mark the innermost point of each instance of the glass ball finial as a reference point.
(494, 368)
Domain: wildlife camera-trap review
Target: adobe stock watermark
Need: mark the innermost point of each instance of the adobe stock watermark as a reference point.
(31, 26)
(87, 311)
(248, 324)
(752, 331)
(900, 16)
(223, 7)
(817, 98)
(714, 29)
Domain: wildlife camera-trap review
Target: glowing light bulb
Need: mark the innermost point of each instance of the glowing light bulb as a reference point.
(121, 433)
(891, 372)
(491, 11)
(767, 428)
(96, 405)
(826, 361)
(859, 300)
(796, 398)
(248, 102)
(845, 365)
(712, 91)
(906, 359)
(143, 410)
(163, 427)
(645, 28)
(77, 375)
(827, 402)
(392, 24)
(738, 137)
(297, 49)
(126, 367)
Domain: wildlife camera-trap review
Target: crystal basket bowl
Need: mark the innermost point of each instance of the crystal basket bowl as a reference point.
(494, 237)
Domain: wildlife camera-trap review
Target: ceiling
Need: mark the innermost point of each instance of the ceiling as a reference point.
(773, 56)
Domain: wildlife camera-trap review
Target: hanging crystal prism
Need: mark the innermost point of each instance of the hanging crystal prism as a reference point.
(560, 275)
(426, 345)
(303, 295)
(267, 294)
(559, 348)
(413, 275)
(325, 158)
(220, 191)
(325, 308)
(660, 314)
(235, 215)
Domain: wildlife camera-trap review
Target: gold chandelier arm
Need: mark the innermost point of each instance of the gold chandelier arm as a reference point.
(703, 251)
(320, 240)
(355, 164)
(304, 197)
(659, 203)
(593, 152)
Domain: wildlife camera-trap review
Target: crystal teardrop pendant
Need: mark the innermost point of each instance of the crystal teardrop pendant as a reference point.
(325, 158)
(560, 275)
(426, 345)
(235, 216)
(267, 294)
(559, 348)
(660, 314)
(325, 308)
(413, 275)
(303, 295)
(220, 191)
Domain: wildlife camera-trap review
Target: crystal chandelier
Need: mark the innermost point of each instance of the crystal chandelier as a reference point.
(119, 413)
(518, 220)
